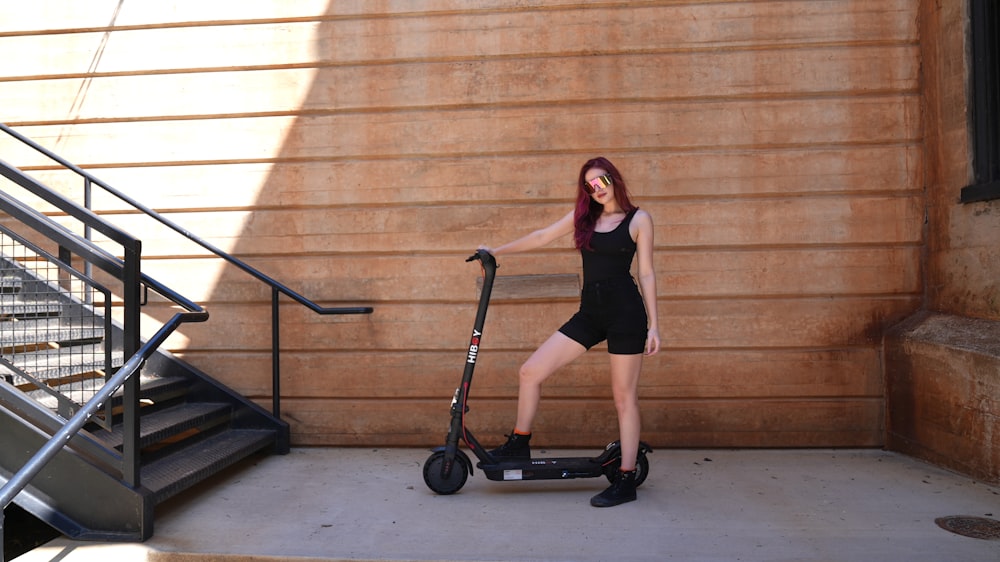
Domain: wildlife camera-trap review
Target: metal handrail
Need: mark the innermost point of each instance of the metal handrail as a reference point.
(277, 288)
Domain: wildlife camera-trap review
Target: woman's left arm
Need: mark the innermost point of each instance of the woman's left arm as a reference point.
(643, 225)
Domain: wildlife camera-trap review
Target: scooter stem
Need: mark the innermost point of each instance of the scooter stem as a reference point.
(457, 430)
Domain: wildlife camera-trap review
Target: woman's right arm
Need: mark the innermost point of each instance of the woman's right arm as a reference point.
(538, 238)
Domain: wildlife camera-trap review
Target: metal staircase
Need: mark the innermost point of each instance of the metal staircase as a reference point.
(190, 426)
(97, 426)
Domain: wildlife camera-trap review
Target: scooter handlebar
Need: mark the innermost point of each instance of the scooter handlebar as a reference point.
(483, 256)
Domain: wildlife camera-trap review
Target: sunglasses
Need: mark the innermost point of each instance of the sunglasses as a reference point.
(600, 182)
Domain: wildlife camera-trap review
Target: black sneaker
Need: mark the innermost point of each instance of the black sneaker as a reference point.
(516, 447)
(622, 490)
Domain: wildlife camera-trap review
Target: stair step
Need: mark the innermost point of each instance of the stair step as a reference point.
(47, 330)
(152, 390)
(163, 424)
(156, 390)
(59, 362)
(10, 284)
(185, 468)
(13, 306)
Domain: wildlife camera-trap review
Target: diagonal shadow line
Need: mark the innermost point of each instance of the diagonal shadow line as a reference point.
(81, 93)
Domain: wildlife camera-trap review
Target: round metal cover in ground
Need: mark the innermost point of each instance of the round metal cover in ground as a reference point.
(974, 527)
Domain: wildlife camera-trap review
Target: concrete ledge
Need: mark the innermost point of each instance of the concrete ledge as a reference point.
(943, 392)
(530, 287)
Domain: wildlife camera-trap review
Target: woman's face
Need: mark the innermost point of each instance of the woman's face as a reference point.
(598, 183)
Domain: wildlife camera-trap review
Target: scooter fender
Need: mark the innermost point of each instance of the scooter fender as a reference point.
(614, 450)
(460, 456)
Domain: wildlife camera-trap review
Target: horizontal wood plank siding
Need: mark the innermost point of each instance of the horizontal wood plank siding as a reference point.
(359, 151)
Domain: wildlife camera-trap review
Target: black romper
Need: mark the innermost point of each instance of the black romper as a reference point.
(611, 305)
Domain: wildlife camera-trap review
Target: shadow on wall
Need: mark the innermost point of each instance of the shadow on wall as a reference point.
(366, 204)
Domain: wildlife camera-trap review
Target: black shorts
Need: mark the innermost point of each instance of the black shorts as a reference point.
(610, 310)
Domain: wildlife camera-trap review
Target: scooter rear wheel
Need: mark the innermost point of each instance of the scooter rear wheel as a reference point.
(436, 481)
(641, 469)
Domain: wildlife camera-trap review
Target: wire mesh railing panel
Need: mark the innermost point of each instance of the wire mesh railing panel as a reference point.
(55, 327)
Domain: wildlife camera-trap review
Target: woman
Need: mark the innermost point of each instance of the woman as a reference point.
(609, 231)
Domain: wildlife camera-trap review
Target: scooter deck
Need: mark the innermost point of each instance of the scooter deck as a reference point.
(543, 469)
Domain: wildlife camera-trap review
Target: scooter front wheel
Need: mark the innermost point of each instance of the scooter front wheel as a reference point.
(434, 474)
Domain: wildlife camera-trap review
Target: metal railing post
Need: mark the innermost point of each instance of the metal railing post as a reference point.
(88, 196)
(275, 355)
(131, 287)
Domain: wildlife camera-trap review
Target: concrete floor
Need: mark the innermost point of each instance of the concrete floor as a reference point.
(696, 505)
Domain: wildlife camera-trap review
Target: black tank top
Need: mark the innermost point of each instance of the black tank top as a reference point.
(611, 253)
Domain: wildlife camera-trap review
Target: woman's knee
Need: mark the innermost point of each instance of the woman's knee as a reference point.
(532, 372)
(626, 402)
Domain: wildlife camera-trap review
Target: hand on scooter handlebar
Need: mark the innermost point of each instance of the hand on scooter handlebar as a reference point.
(480, 252)
(482, 255)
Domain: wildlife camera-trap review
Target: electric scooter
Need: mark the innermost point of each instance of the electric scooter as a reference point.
(448, 467)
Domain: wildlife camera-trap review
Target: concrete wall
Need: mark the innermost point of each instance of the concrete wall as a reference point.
(943, 365)
(358, 152)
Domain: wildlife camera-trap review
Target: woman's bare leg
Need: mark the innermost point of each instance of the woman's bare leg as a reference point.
(625, 387)
(556, 352)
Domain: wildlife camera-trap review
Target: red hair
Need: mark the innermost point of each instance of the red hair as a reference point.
(587, 210)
